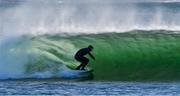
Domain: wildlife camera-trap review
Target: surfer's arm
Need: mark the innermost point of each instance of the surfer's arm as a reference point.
(91, 56)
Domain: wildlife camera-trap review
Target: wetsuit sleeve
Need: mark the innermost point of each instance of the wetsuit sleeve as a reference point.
(91, 55)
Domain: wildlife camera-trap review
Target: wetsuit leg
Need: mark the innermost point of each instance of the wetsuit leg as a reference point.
(84, 63)
(80, 60)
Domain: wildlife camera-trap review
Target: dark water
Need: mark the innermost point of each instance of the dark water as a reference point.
(88, 88)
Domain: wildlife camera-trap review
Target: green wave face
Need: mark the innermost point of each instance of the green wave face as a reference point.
(119, 56)
(135, 57)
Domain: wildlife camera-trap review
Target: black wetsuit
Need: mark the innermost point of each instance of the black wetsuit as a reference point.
(79, 56)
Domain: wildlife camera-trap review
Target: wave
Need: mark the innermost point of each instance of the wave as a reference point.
(135, 55)
(133, 41)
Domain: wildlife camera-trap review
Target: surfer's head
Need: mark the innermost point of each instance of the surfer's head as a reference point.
(90, 47)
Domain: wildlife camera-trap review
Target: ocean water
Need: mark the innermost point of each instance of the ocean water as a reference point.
(54, 87)
(136, 45)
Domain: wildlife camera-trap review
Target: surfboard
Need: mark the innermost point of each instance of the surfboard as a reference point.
(86, 69)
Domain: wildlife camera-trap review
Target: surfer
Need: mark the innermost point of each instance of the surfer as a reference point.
(80, 56)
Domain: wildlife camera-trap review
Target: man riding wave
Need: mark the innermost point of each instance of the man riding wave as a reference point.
(80, 56)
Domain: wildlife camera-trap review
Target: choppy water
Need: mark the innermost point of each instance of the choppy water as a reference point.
(88, 88)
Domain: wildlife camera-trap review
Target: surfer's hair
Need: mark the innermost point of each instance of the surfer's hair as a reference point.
(90, 47)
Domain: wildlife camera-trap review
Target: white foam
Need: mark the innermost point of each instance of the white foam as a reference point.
(50, 17)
